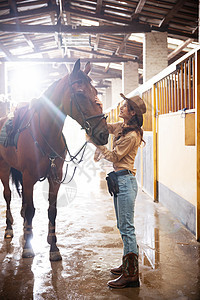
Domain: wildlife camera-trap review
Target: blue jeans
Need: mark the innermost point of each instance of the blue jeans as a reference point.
(124, 204)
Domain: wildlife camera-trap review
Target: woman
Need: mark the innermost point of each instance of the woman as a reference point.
(128, 137)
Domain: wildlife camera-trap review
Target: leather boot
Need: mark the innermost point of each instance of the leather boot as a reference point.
(130, 273)
(116, 271)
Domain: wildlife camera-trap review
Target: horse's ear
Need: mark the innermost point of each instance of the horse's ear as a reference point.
(87, 68)
(76, 67)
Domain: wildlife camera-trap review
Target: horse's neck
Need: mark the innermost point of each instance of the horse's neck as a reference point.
(52, 117)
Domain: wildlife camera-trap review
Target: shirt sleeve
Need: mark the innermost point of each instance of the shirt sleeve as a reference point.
(121, 149)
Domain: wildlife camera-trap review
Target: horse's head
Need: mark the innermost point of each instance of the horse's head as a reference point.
(84, 108)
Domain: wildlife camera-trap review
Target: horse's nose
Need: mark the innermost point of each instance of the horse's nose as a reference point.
(104, 137)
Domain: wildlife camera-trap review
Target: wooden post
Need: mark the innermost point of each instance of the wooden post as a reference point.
(197, 121)
(182, 87)
(155, 173)
(193, 82)
(189, 82)
(175, 90)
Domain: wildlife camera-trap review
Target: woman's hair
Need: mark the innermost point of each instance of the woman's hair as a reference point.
(134, 123)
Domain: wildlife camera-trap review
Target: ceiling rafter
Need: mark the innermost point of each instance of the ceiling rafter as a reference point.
(99, 6)
(138, 9)
(13, 9)
(79, 29)
(109, 39)
(179, 48)
(119, 49)
(7, 53)
(122, 45)
(31, 13)
(172, 12)
(68, 60)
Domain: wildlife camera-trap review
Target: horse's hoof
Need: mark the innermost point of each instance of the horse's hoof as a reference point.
(55, 256)
(8, 234)
(28, 253)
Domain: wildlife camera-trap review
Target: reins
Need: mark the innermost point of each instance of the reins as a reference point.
(73, 158)
(55, 155)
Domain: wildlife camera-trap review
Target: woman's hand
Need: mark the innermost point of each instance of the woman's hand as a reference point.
(99, 102)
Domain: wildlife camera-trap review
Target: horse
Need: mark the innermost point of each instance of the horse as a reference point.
(41, 147)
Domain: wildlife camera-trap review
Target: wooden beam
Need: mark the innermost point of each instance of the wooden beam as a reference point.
(197, 135)
(155, 144)
(100, 54)
(97, 42)
(68, 60)
(118, 50)
(99, 6)
(88, 51)
(122, 45)
(172, 12)
(13, 9)
(199, 24)
(180, 48)
(138, 9)
(176, 32)
(97, 38)
(31, 12)
(105, 29)
(79, 29)
(7, 53)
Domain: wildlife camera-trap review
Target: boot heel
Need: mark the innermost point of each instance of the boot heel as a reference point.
(134, 284)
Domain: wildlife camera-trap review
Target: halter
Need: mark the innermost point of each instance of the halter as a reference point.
(86, 124)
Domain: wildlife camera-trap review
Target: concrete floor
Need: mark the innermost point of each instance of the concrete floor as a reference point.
(90, 245)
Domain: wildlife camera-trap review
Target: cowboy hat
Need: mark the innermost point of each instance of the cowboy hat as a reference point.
(136, 103)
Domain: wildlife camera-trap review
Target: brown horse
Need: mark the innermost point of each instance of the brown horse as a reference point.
(41, 148)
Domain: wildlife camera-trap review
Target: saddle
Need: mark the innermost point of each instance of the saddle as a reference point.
(10, 131)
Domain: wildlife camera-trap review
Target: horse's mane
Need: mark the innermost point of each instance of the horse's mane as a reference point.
(50, 89)
(47, 94)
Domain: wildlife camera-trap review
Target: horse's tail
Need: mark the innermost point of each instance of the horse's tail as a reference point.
(16, 179)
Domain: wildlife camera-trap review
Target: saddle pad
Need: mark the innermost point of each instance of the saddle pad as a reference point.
(8, 140)
(11, 130)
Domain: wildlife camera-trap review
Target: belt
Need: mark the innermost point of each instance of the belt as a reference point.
(123, 172)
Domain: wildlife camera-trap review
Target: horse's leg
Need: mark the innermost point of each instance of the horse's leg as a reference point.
(52, 212)
(5, 169)
(29, 212)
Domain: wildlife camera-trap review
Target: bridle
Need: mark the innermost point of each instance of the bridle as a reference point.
(73, 158)
(86, 124)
